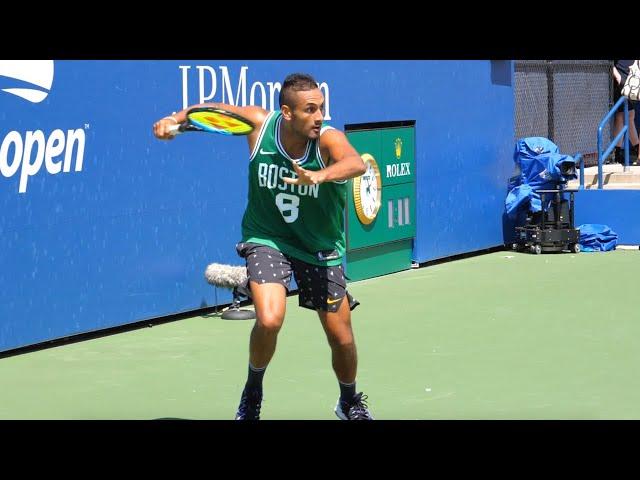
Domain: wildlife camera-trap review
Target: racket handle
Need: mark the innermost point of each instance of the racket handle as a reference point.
(174, 129)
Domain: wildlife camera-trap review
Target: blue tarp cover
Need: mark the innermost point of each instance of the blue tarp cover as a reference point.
(597, 238)
(540, 167)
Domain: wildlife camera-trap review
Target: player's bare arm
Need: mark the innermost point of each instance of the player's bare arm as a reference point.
(343, 161)
(257, 115)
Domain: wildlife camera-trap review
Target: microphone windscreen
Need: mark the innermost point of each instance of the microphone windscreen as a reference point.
(225, 276)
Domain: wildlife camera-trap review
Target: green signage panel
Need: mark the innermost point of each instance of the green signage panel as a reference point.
(393, 149)
(380, 260)
(397, 156)
(381, 220)
(396, 219)
(366, 141)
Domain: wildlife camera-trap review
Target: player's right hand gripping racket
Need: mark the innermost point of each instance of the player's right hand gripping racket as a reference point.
(214, 120)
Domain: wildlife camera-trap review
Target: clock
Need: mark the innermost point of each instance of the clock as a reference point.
(367, 191)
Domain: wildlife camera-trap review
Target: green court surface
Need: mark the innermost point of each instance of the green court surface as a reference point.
(497, 336)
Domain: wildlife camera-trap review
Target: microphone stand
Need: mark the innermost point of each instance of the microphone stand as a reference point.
(234, 312)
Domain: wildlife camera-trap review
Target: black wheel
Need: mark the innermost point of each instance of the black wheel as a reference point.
(537, 249)
(575, 247)
(515, 246)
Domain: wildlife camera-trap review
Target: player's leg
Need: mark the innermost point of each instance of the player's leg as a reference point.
(324, 289)
(344, 359)
(344, 355)
(269, 300)
(269, 274)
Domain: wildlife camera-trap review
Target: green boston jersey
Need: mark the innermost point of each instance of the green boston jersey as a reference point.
(303, 221)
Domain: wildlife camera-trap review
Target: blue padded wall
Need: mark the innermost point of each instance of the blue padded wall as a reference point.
(126, 233)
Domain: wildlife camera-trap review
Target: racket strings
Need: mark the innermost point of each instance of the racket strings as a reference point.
(220, 122)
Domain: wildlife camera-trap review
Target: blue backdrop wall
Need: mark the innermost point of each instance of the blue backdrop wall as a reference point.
(103, 225)
(614, 208)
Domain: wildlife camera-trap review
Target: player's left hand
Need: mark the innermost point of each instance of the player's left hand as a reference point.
(305, 177)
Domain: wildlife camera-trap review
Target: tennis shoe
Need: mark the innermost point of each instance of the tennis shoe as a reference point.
(250, 403)
(356, 409)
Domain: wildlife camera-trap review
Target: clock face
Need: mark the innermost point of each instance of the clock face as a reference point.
(367, 191)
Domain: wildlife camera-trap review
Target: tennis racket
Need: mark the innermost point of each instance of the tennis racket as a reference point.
(213, 120)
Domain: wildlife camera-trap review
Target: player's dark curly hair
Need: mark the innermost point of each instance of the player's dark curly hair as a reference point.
(295, 83)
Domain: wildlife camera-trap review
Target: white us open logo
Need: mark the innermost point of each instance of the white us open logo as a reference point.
(27, 151)
(32, 79)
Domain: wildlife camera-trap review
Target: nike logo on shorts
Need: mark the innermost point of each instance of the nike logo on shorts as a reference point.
(333, 300)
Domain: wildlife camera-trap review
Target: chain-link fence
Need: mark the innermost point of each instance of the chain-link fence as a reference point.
(564, 101)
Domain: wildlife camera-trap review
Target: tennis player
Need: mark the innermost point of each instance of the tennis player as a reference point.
(294, 223)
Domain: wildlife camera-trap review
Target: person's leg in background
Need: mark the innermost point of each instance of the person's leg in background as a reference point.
(633, 154)
(633, 137)
(618, 124)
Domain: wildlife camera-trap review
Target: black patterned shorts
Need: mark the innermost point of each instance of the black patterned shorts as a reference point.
(319, 288)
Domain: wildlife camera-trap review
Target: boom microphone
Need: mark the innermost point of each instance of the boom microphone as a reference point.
(233, 278)
(225, 276)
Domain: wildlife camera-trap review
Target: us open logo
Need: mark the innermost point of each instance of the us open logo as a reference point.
(27, 151)
(32, 78)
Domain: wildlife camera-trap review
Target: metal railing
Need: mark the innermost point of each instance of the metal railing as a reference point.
(625, 131)
(580, 160)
